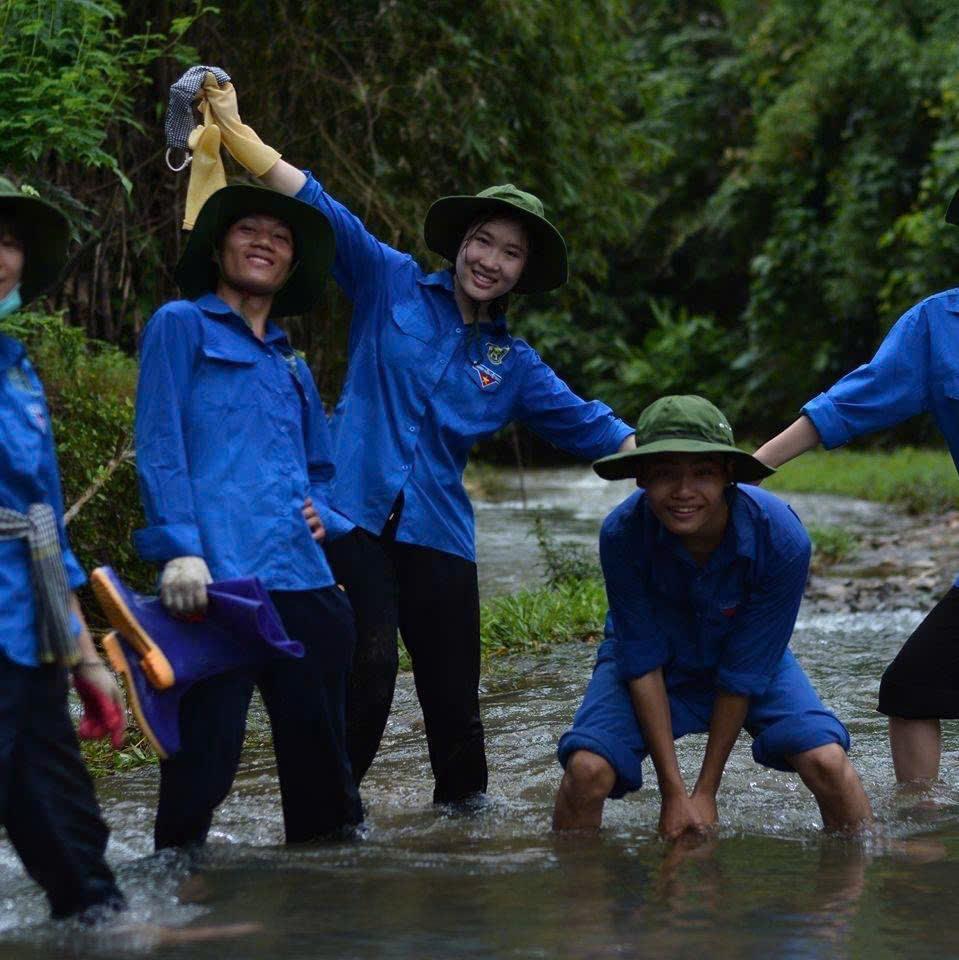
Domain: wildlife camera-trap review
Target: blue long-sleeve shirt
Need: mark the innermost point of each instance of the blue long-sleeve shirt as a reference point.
(723, 625)
(915, 369)
(28, 474)
(231, 437)
(422, 388)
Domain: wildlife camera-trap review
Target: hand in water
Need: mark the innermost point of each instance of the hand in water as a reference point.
(679, 815)
(705, 804)
(313, 521)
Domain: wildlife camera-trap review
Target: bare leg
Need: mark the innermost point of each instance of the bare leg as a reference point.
(835, 785)
(583, 791)
(916, 747)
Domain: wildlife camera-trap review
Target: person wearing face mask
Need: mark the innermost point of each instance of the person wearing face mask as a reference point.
(47, 802)
(233, 458)
(433, 369)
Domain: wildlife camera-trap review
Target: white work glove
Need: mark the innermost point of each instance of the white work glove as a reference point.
(183, 585)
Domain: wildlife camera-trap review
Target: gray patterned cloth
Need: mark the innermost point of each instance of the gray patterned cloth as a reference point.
(38, 526)
(179, 114)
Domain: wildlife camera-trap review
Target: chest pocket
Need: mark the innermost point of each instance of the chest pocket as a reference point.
(24, 423)
(223, 381)
(406, 336)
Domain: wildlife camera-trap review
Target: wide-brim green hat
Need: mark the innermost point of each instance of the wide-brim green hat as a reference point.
(682, 424)
(313, 245)
(44, 232)
(448, 219)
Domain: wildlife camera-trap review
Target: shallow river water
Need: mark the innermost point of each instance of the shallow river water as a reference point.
(495, 882)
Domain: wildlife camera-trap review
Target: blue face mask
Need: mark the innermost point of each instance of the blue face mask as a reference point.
(11, 302)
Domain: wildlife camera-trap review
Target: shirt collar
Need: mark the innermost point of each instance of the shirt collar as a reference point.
(11, 351)
(213, 306)
(444, 280)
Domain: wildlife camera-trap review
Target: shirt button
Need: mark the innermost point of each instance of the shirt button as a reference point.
(459, 329)
(406, 466)
(412, 429)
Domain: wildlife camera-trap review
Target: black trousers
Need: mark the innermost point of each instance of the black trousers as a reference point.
(47, 802)
(433, 598)
(306, 702)
(923, 680)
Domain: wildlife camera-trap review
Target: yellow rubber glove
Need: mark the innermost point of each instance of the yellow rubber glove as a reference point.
(206, 170)
(244, 145)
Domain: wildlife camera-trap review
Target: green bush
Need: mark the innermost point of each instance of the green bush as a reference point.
(90, 387)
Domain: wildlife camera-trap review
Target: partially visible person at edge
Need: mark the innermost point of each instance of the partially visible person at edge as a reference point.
(704, 579)
(915, 369)
(432, 370)
(47, 801)
(233, 457)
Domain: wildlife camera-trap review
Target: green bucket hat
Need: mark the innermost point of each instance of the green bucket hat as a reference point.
(313, 245)
(45, 234)
(682, 424)
(449, 218)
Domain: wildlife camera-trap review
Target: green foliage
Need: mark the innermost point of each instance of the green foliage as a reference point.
(90, 387)
(831, 545)
(564, 562)
(68, 71)
(917, 480)
(532, 620)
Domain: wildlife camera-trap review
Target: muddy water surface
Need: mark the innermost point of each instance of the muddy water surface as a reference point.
(495, 883)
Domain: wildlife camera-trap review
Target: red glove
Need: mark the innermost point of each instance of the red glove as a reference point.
(103, 713)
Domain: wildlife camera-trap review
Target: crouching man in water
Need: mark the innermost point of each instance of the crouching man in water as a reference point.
(233, 459)
(704, 580)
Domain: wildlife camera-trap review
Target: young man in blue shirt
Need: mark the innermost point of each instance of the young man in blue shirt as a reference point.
(915, 370)
(47, 802)
(704, 580)
(233, 456)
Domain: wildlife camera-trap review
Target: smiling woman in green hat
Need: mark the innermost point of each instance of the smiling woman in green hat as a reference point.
(432, 370)
(47, 803)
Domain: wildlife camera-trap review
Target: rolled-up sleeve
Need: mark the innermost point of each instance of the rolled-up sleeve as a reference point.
(892, 387)
(763, 627)
(166, 356)
(584, 428)
(641, 644)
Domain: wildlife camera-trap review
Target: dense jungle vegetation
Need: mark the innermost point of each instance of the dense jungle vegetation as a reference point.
(752, 190)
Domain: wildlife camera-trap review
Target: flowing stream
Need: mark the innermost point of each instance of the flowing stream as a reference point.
(495, 882)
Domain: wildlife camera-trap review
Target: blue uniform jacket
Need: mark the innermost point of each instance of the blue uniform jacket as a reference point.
(915, 369)
(723, 625)
(422, 388)
(231, 437)
(28, 474)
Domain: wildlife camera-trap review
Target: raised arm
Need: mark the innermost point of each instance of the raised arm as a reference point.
(362, 261)
(584, 428)
(892, 387)
(796, 439)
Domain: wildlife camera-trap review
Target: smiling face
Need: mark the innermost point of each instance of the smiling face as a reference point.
(685, 491)
(256, 255)
(491, 259)
(11, 258)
